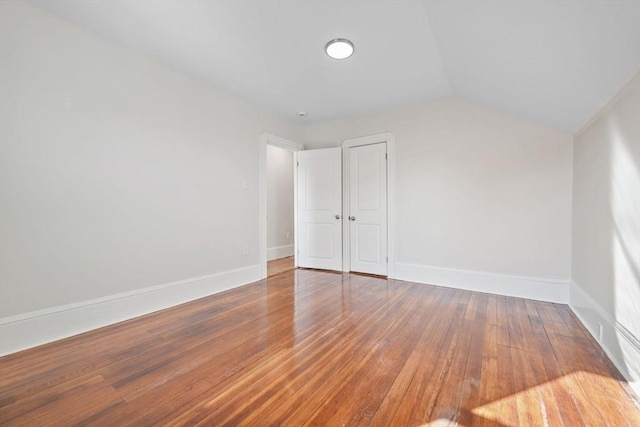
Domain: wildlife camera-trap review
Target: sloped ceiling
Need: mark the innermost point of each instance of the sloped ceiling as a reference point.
(553, 62)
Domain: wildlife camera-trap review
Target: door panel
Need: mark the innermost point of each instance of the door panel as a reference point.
(368, 208)
(319, 202)
(321, 238)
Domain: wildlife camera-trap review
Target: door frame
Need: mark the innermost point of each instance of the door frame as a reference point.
(270, 139)
(390, 139)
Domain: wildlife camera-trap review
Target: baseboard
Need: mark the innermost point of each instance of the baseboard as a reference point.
(278, 252)
(40, 327)
(622, 347)
(513, 286)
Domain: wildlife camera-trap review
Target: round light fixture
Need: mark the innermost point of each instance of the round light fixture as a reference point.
(339, 48)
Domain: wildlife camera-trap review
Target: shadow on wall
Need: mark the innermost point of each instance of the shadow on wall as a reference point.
(625, 238)
(606, 243)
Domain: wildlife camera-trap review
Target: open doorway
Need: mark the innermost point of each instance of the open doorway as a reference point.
(280, 210)
(278, 234)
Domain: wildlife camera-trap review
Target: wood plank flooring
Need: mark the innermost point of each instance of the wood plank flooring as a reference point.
(325, 349)
(278, 266)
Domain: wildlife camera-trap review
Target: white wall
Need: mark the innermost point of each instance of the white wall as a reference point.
(279, 202)
(606, 228)
(117, 173)
(483, 198)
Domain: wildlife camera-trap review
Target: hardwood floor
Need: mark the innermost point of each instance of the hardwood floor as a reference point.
(317, 348)
(278, 266)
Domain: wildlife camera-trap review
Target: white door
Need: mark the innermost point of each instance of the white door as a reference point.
(368, 209)
(320, 209)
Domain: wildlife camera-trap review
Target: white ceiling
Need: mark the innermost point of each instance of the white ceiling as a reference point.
(554, 62)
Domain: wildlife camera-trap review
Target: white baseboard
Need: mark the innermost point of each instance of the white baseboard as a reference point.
(513, 286)
(278, 252)
(622, 347)
(39, 327)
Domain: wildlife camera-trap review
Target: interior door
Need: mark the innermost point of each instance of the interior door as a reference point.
(320, 209)
(368, 209)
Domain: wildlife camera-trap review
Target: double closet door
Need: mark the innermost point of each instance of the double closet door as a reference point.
(324, 223)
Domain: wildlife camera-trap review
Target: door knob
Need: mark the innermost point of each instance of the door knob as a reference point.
(352, 218)
(337, 216)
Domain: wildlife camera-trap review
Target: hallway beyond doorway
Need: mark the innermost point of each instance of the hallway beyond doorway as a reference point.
(278, 266)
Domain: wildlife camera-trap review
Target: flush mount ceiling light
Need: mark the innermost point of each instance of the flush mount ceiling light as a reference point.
(339, 48)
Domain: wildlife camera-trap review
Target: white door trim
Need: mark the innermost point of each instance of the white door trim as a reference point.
(389, 138)
(269, 139)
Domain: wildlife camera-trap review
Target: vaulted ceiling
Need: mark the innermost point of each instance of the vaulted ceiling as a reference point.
(553, 62)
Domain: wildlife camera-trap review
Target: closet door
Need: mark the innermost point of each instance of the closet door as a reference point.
(368, 209)
(320, 209)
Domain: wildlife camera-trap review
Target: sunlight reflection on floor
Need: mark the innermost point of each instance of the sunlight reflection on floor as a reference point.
(440, 422)
(580, 387)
